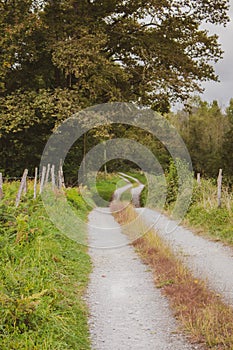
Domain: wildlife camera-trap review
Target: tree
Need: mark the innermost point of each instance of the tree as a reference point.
(64, 55)
(139, 50)
(203, 128)
(227, 154)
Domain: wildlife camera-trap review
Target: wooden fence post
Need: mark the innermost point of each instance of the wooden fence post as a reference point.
(47, 174)
(1, 187)
(42, 179)
(22, 186)
(25, 187)
(53, 176)
(35, 182)
(62, 175)
(198, 179)
(219, 188)
(60, 183)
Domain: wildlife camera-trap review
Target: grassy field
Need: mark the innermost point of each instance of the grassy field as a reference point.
(43, 277)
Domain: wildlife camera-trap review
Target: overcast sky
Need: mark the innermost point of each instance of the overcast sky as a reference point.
(223, 91)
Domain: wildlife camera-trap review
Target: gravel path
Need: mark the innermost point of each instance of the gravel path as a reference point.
(211, 261)
(126, 310)
(117, 194)
(135, 191)
(208, 260)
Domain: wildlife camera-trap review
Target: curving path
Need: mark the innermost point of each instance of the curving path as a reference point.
(126, 310)
(135, 191)
(208, 260)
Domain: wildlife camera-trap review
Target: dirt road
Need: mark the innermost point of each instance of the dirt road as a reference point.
(126, 310)
(211, 261)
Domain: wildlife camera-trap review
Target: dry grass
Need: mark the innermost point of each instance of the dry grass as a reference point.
(201, 312)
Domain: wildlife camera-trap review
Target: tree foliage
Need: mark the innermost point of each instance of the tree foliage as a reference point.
(207, 132)
(228, 142)
(59, 56)
(140, 49)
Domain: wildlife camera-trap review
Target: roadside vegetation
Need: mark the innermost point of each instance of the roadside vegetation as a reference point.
(106, 184)
(203, 216)
(203, 316)
(43, 277)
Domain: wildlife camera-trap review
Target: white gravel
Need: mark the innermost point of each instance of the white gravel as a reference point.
(126, 310)
(135, 191)
(117, 194)
(211, 261)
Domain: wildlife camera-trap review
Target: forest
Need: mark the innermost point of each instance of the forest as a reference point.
(59, 57)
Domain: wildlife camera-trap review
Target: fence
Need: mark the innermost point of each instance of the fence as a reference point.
(219, 186)
(48, 174)
(57, 180)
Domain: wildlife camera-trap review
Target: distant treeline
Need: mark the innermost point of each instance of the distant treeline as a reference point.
(205, 128)
(208, 134)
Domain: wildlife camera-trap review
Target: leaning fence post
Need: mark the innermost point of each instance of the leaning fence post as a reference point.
(1, 186)
(22, 186)
(42, 179)
(25, 186)
(47, 174)
(219, 188)
(35, 182)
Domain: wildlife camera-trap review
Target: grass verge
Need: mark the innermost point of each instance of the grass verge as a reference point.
(106, 184)
(142, 178)
(203, 216)
(206, 218)
(201, 312)
(43, 277)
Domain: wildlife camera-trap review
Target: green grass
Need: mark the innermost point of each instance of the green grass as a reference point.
(142, 178)
(203, 215)
(43, 277)
(106, 185)
(126, 196)
(138, 175)
(206, 217)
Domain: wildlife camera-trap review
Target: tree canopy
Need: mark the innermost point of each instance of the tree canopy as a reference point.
(59, 56)
(207, 133)
(109, 50)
